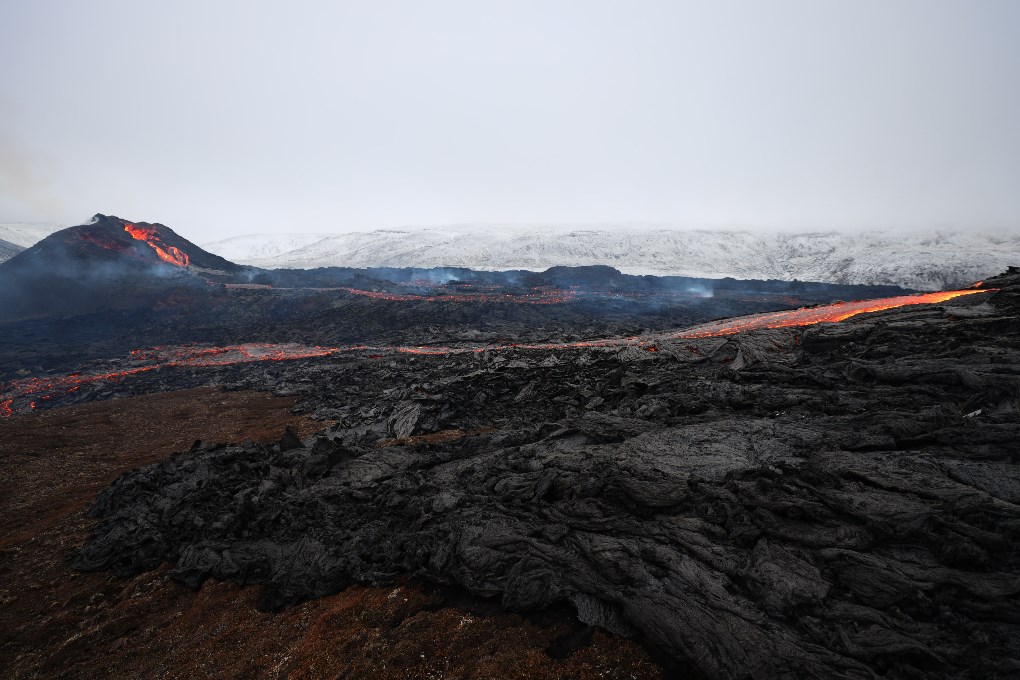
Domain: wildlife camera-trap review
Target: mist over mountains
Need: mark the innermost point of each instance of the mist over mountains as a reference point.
(922, 260)
(916, 259)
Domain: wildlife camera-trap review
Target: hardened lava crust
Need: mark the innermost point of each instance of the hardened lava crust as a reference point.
(839, 500)
(59, 623)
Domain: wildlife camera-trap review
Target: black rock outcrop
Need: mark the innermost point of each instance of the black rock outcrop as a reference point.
(836, 501)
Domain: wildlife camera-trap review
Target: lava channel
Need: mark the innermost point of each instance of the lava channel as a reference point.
(806, 316)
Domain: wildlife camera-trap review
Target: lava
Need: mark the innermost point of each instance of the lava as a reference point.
(166, 252)
(23, 393)
(806, 316)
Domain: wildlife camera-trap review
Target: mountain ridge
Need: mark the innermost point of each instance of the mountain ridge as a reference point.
(27, 234)
(9, 250)
(923, 260)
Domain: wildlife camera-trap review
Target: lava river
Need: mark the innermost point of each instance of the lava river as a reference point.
(167, 253)
(23, 395)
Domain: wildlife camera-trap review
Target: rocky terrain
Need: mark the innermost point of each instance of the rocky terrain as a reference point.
(567, 473)
(836, 500)
(58, 623)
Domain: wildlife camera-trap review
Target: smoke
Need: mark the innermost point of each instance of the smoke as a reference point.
(699, 290)
(25, 181)
(439, 277)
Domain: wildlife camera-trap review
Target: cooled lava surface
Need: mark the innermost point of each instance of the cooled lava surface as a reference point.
(55, 622)
(829, 500)
(27, 393)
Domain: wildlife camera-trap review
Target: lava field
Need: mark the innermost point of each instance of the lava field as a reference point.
(25, 394)
(728, 479)
(831, 500)
(99, 291)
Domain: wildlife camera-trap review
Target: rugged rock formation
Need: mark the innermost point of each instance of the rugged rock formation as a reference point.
(836, 501)
(55, 623)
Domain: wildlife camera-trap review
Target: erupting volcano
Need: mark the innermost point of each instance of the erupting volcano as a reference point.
(167, 253)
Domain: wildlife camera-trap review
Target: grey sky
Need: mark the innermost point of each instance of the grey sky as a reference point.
(222, 118)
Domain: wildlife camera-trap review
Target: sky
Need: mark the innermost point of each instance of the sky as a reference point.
(224, 118)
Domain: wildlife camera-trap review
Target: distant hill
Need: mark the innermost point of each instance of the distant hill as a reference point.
(928, 260)
(9, 250)
(260, 246)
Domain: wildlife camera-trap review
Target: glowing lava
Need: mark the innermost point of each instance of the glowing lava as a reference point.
(152, 359)
(166, 253)
(806, 316)
(20, 395)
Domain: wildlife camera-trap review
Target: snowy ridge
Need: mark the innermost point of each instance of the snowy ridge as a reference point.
(924, 260)
(27, 234)
(8, 250)
(244, 249)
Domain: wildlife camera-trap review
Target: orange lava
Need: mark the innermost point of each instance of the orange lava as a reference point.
(150, 360)
(806, 316)
(20, 395)
(166, 253)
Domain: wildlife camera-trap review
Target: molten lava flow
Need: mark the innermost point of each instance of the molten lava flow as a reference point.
(807, 316)
(150, 360)
(22, 394)
(166, 253)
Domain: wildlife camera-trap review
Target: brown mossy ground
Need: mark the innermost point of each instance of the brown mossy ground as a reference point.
(55, 622)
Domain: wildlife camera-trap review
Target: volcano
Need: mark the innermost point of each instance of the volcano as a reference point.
(108, 263)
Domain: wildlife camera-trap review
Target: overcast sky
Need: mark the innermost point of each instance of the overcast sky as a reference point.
(224, 118)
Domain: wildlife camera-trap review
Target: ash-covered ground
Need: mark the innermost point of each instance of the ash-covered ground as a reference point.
(836, 500)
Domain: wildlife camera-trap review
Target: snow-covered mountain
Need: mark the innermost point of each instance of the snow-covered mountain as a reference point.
(261, 246)
(8, 250)
(16, 236)
(925, 260)
(26, 234)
